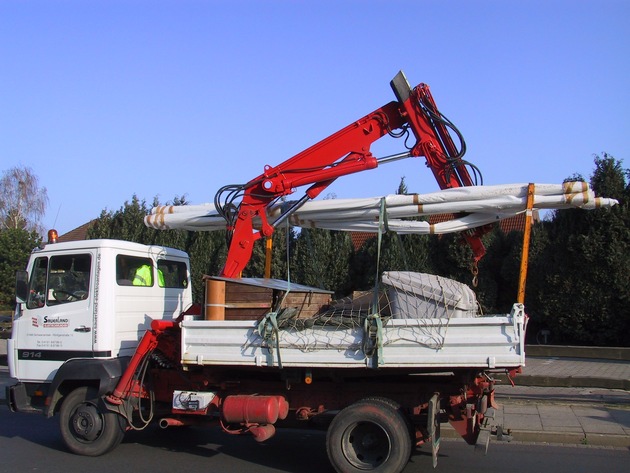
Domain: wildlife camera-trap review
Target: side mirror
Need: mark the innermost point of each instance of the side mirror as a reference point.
(21, 286)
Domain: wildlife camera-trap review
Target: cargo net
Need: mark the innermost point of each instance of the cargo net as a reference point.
(420, 306)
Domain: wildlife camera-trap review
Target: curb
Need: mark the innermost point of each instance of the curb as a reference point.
(568, 351)
(567, 382)
(572, 438)
(560, 438)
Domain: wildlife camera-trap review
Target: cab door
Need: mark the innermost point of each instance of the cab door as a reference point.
(57, 320)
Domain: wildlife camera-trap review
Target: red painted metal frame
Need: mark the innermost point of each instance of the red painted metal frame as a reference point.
(428, 143)
(148, 343)
(465, 413)
(343, 153)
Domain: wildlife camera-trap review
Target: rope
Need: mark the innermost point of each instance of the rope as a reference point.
(267, 328)
(373, 338)
(382, 228)
(373, 327)
(288, 265)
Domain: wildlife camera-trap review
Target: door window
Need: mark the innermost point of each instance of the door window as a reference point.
(172, 274)
(37, 286)
(59, 279)
(138, 271)
(134, 271)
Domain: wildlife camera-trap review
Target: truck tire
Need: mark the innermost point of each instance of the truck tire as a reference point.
(369, 435)
(87, 428)
(394, 405)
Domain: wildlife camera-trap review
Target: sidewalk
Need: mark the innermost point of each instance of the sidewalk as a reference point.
(575, 372)
(564, 415)
(573, 401)
(569, 401)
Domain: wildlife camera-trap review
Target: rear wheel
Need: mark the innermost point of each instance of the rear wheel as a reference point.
(370, 435)
(86, 427)
(394, 405)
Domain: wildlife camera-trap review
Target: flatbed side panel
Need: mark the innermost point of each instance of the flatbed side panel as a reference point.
(483, 342)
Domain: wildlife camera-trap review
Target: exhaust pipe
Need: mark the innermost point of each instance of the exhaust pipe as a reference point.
(166, 422)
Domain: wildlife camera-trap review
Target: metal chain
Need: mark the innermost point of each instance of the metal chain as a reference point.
(474, 269)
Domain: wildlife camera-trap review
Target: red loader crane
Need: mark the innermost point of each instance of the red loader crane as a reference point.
(346, 152)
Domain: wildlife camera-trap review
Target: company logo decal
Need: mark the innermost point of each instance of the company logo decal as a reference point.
(55, 322)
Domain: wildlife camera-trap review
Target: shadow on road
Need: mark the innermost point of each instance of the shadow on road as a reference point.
(290, 450)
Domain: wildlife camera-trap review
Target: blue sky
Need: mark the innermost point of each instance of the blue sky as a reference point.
(107, 99)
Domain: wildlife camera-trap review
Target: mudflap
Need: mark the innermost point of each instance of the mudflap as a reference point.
(485, 431)
(489, 429)
(433, 426)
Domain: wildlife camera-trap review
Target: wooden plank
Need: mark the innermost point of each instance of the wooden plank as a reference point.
(246, 302)
(244, 314)
(248, 305)
(307, 303)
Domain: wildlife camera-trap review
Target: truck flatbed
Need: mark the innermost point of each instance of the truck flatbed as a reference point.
(486, 342)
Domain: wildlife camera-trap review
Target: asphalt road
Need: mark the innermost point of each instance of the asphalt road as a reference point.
(32, 443)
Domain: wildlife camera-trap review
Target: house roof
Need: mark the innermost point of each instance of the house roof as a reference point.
(359, 239)
(507, 225)
(79, 233)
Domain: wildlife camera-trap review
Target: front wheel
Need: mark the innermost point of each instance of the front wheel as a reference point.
(369, 436)
(86, 427)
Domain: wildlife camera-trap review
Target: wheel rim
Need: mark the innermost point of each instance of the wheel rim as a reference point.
(366, 445)
(87, 423)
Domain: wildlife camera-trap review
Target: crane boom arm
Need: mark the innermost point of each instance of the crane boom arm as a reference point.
(345, 152)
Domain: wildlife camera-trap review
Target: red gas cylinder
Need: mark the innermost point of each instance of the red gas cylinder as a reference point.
(283, 408)
(262, 432)
(250, 409)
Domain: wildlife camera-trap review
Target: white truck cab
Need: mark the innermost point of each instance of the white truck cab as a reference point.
(81, 309)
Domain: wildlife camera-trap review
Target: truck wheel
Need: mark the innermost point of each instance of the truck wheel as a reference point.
(86, 428)
(394, 405)
(369, 435)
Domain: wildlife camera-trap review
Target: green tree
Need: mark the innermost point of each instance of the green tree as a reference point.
(23, 201)
(322, 259)
(585, 289)
(402, 187)
(207, 251)
(397, 253)
(610, 179)
(499, 270)
(279, 262)
(127, 223)
(15, 248)
(451, 257)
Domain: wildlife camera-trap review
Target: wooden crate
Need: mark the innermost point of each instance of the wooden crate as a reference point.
(307, 303)
(244, 302)
(253, 298)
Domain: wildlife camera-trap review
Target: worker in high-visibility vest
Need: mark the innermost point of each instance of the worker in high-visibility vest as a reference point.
(144, 276)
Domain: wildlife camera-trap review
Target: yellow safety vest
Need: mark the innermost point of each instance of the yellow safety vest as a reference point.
(143, 276)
